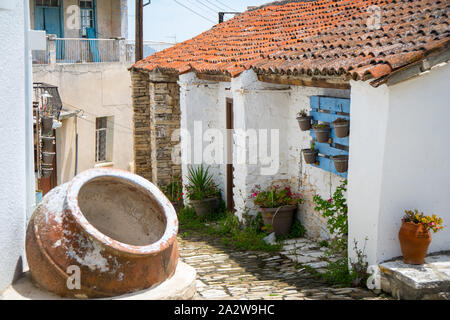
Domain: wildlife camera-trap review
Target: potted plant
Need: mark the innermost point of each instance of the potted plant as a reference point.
(278, 206)
(341, 127)
(46, 171)
(310, 155)
(48, 143)
(47, 125)
(340, 163)
(415, 236)
(304, 121)
(203, 194)
(322, 132)
(174, 192)
(48, 157)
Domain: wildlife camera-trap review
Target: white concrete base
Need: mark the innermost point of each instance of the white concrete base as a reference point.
(182, 286)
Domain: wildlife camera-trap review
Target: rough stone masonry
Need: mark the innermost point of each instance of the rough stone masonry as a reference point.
(156, 105)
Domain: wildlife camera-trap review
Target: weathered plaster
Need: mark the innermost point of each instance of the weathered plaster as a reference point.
(101, 90)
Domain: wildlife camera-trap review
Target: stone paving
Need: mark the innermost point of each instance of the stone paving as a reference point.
(225, 274)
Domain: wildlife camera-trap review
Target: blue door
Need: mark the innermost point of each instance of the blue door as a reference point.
(48, 18)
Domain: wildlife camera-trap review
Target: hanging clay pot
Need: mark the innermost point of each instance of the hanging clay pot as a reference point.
(47, 125)
(115, 228)
(304, 123)
(341, 127)
(48, 157)
(341, 163)
(415, 239)
(322, 133)
(310, 155)
(46, 171)
(48, 144)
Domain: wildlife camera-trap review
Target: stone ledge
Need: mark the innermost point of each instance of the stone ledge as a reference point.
(414, 282)
(182, 286)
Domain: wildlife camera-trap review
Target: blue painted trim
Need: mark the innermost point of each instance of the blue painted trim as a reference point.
(61, 18)
(325, 109)
(95, 18)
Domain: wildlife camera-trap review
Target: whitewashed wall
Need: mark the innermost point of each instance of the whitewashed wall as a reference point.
(259, 105)
(16, 177)
(400, 160)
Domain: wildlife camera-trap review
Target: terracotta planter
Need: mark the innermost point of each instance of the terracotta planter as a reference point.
(414, 242)
(310, 155)
(48, 144)
(117, 228)
(48, 157)
(304, 123)
(341, 163)
(342, 128)
(205, 207)
(47, 125)
(322, 134)
(280, 218)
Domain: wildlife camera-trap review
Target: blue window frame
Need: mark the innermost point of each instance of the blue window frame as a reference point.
(88, 18)
(326, 110)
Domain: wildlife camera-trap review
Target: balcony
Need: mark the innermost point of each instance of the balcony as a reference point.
(82, 50)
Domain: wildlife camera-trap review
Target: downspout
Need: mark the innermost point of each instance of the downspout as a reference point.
(29, 143)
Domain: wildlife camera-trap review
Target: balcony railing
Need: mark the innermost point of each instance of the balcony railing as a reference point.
(81, 50)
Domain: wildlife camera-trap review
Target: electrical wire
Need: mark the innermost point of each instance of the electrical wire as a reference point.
(206, 6)
(223, 4)
(215, 5)
(194, 12)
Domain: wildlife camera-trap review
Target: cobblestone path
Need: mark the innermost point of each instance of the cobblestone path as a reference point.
(224, 274)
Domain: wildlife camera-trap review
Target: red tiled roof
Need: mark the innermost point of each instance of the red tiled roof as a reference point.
(328, 37)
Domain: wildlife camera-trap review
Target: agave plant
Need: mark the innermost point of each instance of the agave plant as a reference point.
(201, 185)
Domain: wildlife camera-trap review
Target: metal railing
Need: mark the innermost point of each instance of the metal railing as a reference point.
(82, 50)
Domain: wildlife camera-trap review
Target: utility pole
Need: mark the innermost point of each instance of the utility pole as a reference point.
(139, 40)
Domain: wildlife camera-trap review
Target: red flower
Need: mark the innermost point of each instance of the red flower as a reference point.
(330, 200)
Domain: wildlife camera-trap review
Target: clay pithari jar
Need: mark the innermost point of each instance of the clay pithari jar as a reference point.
(118, 229)
(415, 239)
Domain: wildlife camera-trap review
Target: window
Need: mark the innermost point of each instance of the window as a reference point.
(103, 139)
(87, 16)
(47, 3)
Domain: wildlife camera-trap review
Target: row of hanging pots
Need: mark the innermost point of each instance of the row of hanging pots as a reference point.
(340, 161)
(341, 127)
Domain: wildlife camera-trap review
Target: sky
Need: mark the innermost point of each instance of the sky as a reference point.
(169, 21)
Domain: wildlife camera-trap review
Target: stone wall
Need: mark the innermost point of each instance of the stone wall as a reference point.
(156, 105)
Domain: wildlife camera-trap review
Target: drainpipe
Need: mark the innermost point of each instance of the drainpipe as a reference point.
(29, 143)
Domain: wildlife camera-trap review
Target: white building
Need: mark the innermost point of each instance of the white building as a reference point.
(17, 190)
(383, 66)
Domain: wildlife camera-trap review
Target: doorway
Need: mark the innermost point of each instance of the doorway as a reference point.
(230, 168)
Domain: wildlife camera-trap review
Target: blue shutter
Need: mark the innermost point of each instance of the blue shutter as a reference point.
(326, 110)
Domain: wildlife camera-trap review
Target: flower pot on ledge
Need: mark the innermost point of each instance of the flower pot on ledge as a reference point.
(414, 242)
(280, 218)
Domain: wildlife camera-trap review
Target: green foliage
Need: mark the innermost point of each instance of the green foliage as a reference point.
(174, 190)
(201, 185)
(275, 197)
(302, 114)
(338, 272)
(320, 126)
(335, 210)
(297, 231)
(229, 229)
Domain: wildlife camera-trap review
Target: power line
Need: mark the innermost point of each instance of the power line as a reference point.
(215, 5)
(195, 12)
(223, 4)
(195, 4)
(206, 6)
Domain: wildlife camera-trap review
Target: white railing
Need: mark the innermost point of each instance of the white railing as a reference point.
(82, 50)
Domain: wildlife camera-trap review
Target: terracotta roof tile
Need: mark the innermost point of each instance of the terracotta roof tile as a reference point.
(329, 37)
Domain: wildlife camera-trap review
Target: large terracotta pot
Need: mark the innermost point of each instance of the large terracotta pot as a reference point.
(117, 228)
(280, 218)
(414, 242)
